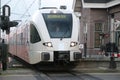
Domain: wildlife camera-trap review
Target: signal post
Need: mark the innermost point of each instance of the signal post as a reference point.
(5, 25)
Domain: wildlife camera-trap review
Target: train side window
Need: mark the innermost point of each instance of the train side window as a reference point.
(34, 35)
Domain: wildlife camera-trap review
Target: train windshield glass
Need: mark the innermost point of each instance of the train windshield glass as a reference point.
(59, 25)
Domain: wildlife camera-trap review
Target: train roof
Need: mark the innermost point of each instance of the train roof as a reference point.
(53, 10)
(49, 10)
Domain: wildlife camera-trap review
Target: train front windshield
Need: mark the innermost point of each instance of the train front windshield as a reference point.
(59, 25)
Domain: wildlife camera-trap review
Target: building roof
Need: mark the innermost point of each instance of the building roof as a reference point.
(99, 3)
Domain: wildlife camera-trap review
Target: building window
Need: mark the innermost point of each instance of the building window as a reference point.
(98, 30)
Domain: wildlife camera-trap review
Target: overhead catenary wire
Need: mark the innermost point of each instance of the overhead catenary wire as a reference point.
(16, 4)
(24, 10)
(25, 7)
(28, 8)
(8, 2)
(19, 14)
(15, 7)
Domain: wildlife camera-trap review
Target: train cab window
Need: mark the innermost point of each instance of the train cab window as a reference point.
(34, 35)
(59, 25)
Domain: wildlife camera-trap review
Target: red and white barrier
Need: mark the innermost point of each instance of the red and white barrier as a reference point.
(0, 63)
(116, 55)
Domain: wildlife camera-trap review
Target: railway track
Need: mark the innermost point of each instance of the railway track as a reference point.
(28, 74)
(37, 74)
(48, 74)
(67, 76)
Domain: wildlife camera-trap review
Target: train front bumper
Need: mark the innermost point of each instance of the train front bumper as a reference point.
(61, 55)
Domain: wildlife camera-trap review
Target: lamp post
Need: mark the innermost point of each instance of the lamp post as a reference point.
(0, 20)
(112, 64)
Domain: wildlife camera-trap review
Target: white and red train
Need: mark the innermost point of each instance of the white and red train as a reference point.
(50, 35)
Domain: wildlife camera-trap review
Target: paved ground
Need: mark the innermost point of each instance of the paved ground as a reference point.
(93, 63)
(27, 74)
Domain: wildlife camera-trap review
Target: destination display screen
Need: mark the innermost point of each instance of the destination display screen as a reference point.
(54, 16)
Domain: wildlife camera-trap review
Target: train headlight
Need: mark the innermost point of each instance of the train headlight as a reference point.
(72, 44)
(48, 44)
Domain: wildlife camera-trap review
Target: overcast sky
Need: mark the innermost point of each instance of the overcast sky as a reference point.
(22, 9)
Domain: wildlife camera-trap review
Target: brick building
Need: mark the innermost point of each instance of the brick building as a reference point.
(98, 17)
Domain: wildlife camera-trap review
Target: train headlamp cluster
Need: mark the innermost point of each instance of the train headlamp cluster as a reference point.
(48, 44)
(72, 44)
(55, 11)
